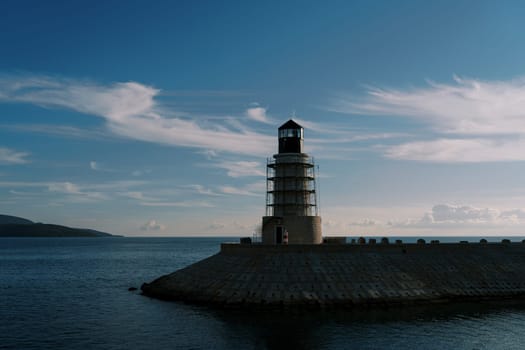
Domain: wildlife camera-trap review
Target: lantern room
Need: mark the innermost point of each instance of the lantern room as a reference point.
(291, 137)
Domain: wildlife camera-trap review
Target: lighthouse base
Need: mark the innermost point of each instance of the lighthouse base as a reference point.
(291, 230)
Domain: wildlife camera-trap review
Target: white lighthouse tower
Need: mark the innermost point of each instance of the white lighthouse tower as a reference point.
(291, 208)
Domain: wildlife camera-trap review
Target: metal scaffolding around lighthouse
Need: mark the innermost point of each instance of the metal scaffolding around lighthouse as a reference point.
(290, 186)
(291, 197)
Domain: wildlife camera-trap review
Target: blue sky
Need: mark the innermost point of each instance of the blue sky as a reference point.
(156, 117)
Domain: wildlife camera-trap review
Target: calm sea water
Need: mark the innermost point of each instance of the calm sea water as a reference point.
(72, 293)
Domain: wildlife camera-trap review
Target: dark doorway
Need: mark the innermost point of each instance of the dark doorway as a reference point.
(279, 235)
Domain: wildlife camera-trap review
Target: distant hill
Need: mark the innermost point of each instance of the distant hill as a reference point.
(12, 226)
(10, 220)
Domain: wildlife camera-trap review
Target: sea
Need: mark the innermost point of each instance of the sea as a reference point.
(73, 293)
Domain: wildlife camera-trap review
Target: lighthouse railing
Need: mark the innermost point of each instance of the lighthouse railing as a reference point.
(291, 158)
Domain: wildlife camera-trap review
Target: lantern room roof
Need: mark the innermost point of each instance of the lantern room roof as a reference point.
(290, 125)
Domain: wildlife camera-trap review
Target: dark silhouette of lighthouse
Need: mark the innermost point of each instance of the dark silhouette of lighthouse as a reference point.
(291, 209)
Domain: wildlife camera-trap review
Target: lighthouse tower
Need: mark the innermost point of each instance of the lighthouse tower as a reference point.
(291, 209)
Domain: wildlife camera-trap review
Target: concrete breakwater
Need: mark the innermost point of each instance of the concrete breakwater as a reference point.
(348, 275)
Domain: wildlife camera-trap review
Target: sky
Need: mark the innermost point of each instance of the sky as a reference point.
(156, 118)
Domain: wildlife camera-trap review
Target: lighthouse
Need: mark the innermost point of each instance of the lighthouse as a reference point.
(291, 197)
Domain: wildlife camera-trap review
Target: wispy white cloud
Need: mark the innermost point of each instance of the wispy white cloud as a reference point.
(133, 195)
(347, 136)
(487, 118)
(97, 166)
(258, 114)
(254, 189)
(137, 195)
(64, 187)
(200, 189)
(131, 110)
(242, 168)
(115, 185)
(460, 150)
(9, 156)
(470, 106)
(75, 193)
(209, 153)
(152, 225)
(236, 191)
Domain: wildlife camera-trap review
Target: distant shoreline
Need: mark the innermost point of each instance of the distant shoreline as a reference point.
(13, 226)
(47, 230)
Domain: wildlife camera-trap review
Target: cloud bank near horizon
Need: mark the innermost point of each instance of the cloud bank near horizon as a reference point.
(448, 215)
(437, 220)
